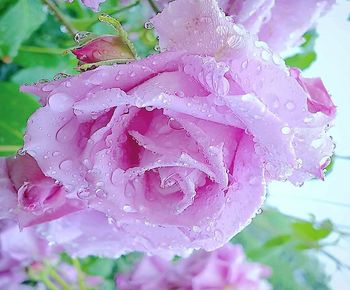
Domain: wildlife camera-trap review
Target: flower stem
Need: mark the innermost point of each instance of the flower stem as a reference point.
(53, 273)
(60, 17)
(154, 6)
(47, 282)
(81, 281)
(38, 49)
(121, 32)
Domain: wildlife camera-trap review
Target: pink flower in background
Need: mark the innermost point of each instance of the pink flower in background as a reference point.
(280, 23)
(225, 268)
(93, 4)
(17, 251)
(21, 250)
(172, 152)
(148, 274)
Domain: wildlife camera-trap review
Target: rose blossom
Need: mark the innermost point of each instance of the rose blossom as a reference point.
(17, 251)
(172, 152)
(225, 268)
(93, 4)
(27, 248)
(280, 23)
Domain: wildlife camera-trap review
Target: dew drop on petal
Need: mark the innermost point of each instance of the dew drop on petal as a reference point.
(149, 25)
(290, 106)
(60, 102)
(128, 208)
(84, 193)
(285, 130)
(66, 165)
(173, 124)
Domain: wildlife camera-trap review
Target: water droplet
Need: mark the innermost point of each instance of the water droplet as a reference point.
(277, 59)
(80, 36)
(244, 64)
(259, 211)
(149, 25)
(275, 102)
(173, 124)
(68, 131)
(48, 88)
(265, 55)
(111, 220)
(60, 76)
(84, 193)
(21, 152)
(60, 102)
(66, 165)
(68, 84)
(122, 138)
(117, 176)
(196, 229)
(128, 208)
(290, 106)
(285, 130)
(317, 143)
(100, 193)
(218, 235)
(299, 163)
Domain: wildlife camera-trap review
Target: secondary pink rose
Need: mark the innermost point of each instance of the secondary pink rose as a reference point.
(93, 4)
(18, 250)
(225, 268)
(173, 152)
(280, 23)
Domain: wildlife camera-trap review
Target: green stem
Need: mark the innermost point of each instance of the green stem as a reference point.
(60, 17)
(47, 282)
(86, 23)
(124, 8)
(121, 32)
(154, 6)
(37, 49)
(57, 277)
(9, 148)
(81, 281)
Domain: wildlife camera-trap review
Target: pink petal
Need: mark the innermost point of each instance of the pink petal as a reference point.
(211, 32)
(290, 20)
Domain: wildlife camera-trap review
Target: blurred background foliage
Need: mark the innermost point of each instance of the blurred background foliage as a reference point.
(33, 45)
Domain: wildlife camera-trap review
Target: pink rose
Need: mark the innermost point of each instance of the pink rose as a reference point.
(149, 274)
(173, 152)
(280, 23)
(225, 268)
(19, 249)
(93, 4)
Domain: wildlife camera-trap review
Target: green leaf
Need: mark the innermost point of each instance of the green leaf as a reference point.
(277, 241)
(301, 60)
(307, 55)
(308, 232)
(33, 74)
(269, 239)
(17, 24)
(15, 109)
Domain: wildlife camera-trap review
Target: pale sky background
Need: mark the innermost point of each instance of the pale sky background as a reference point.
(331, 198)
